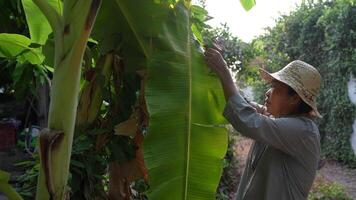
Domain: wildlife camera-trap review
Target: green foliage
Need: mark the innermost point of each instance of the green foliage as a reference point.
(12, 18)
(22, 69)
(28, 181)
(236, 53)
(232, 46)
(259, 90)
(39, 27)
(21, 65)
(165, 45)
(27, 79)
(22, 79)
(322, 34)
(328, 191)
(177, 151)
(6, 188)
(87, 168)
(18, 46)
(230, 178)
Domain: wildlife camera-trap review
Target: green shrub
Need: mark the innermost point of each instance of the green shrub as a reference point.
(328, 191)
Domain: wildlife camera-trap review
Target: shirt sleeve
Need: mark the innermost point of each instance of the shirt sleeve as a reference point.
(288, 134)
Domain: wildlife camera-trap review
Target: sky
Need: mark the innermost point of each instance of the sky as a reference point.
(248, 24)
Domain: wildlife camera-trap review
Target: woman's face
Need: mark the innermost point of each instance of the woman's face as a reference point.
(278, 101)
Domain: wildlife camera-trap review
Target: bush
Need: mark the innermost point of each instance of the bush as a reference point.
(328, 191)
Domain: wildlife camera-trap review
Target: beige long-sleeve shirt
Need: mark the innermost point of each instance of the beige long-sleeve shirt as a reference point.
(283, 160)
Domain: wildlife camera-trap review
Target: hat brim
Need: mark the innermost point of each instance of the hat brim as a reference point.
(265, 75)
(269, 77)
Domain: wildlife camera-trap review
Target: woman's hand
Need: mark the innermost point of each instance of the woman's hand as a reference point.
(215, 61)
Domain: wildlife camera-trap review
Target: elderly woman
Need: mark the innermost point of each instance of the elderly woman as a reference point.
(283, 159)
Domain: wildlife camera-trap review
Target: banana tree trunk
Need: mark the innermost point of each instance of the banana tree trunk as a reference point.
(71, 30)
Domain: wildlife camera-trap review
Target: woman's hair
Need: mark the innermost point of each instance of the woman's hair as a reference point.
(303, 108)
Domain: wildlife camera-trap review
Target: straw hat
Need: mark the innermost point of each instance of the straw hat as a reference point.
(300, 76)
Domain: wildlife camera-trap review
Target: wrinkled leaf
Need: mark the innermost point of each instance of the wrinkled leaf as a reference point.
(128, 127)
(120, 177)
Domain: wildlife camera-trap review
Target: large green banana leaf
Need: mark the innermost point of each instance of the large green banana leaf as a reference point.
(183, 152)
(183, 157)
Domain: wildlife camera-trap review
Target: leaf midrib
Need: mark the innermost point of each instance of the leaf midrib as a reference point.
(189, 109)
(132, 27)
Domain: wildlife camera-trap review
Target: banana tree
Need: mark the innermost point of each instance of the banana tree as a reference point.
(185, 145)
(71, 32)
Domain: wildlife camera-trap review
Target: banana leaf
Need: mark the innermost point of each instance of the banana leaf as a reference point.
(183, 149)
(18, 46)
(6, 188)
(38, 25)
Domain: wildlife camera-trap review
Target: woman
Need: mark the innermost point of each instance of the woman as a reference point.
(283, 160)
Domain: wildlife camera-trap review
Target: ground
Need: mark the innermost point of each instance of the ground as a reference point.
(335, 172)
